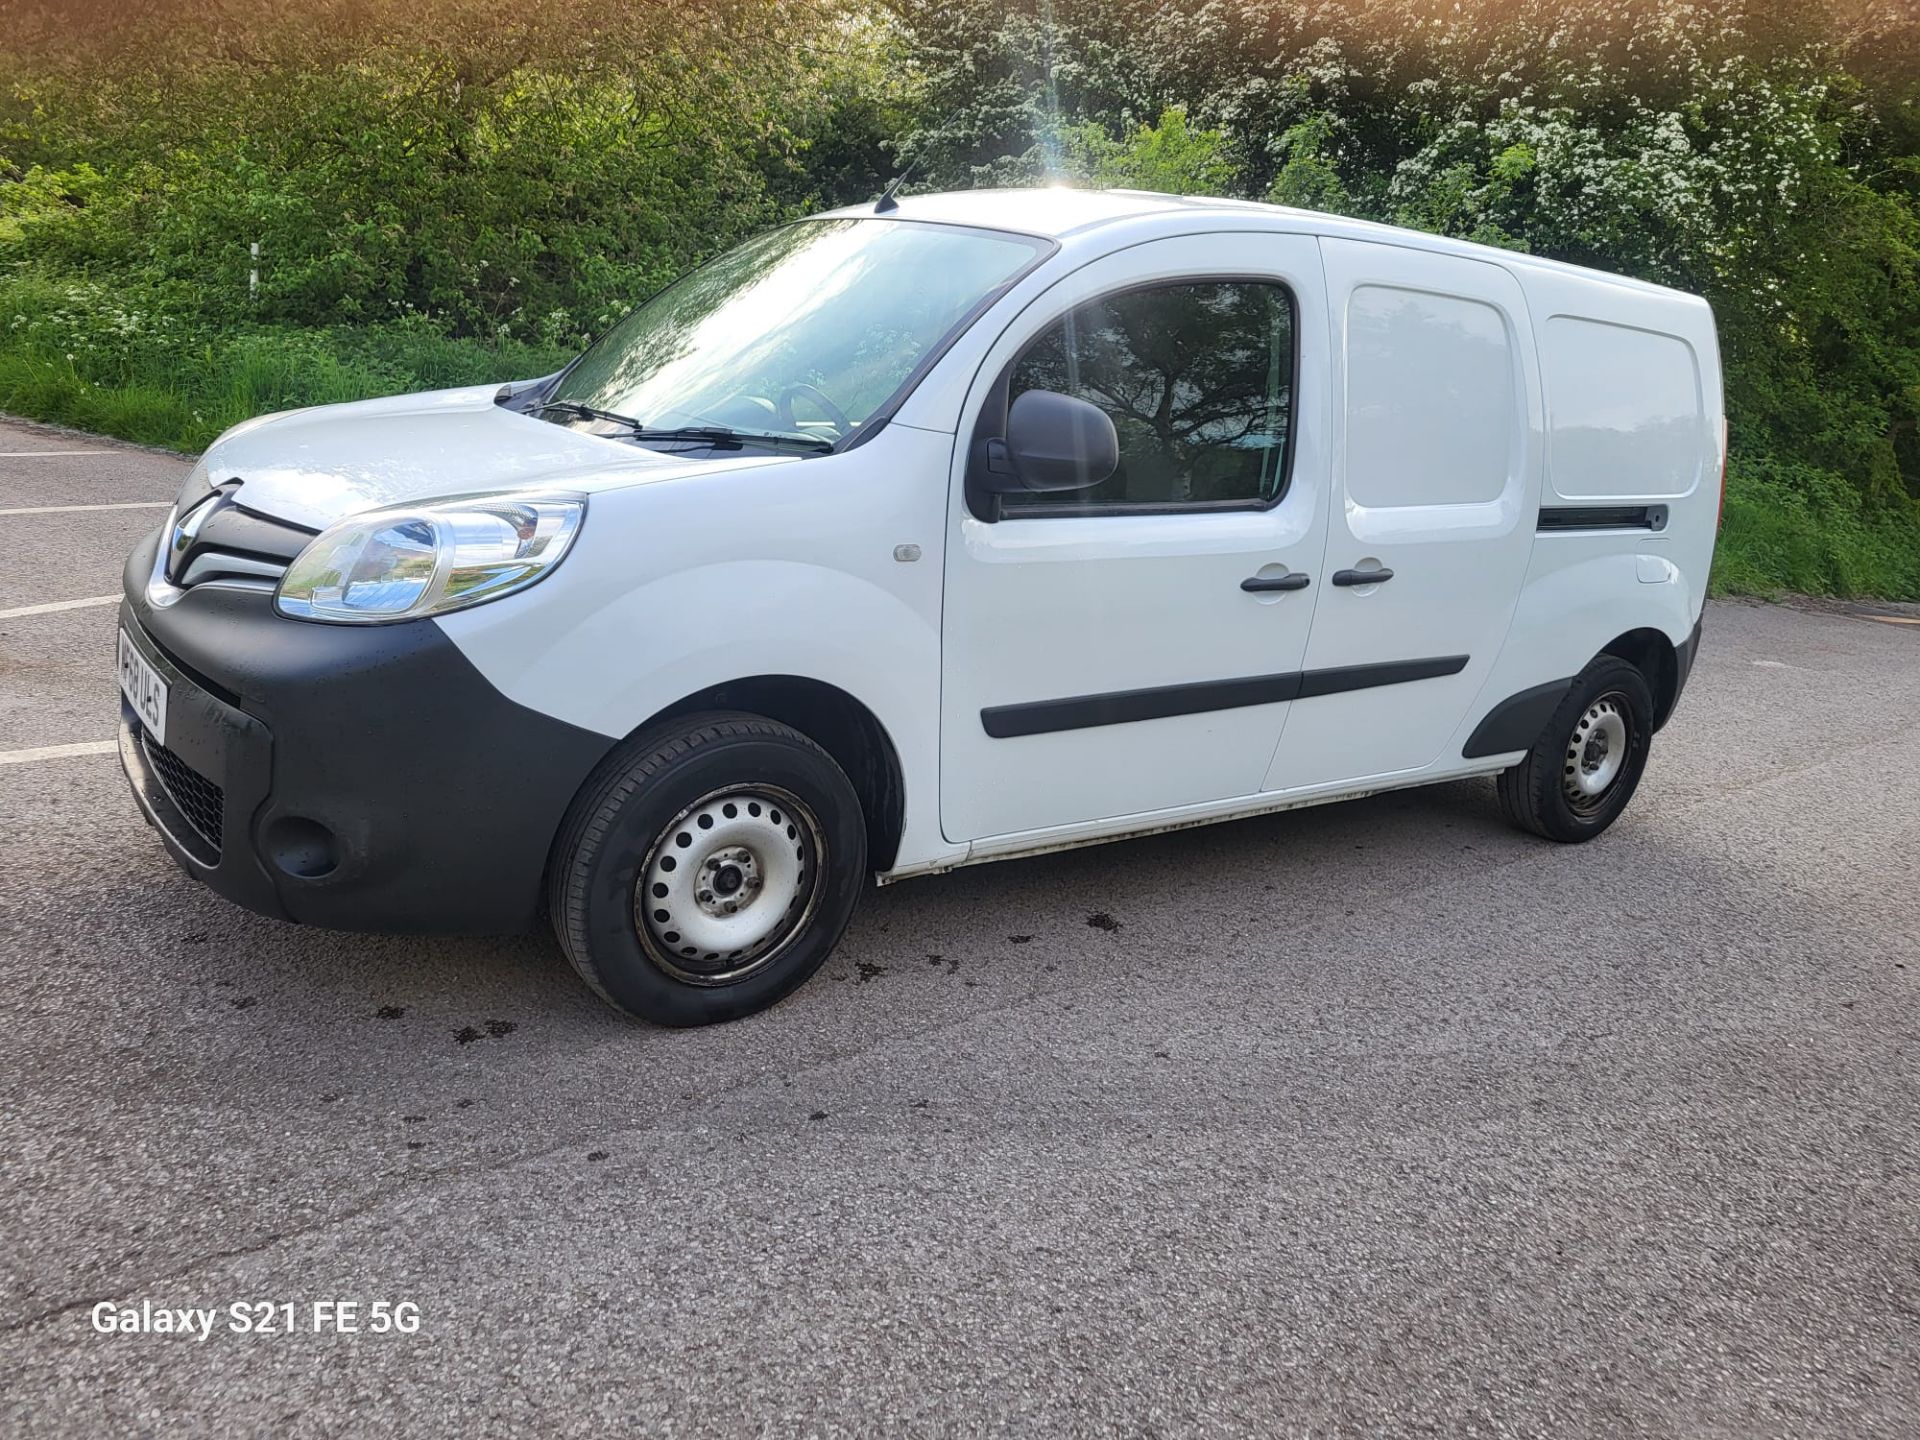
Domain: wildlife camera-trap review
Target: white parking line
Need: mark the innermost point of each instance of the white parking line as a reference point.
(68, 509)
(58, 752)
(53, 605)
(31, 454)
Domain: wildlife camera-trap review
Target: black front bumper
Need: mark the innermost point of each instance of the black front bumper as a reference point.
(357, 777)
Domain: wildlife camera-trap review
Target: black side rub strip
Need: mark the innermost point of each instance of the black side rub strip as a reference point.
(1342, 678)
(1603, 517)
(1118, 707)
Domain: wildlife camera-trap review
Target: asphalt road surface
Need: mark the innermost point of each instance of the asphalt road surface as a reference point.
(1381, 1116)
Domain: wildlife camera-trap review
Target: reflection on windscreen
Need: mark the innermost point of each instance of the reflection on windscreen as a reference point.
(808, 329)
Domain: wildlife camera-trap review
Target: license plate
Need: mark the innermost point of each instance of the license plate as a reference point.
(144, 689)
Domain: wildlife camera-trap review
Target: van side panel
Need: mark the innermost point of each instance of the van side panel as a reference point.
(1625, 412)
(1436, 480)
(1630, 505)
(1631, 381)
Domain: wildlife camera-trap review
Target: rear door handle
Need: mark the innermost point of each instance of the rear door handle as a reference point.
(1257, 583)
(1362, 577)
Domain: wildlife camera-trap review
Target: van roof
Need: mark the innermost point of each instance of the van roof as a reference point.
(1058, 212)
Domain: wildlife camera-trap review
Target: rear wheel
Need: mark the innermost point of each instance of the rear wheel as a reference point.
(708, 869)
(1587, 763)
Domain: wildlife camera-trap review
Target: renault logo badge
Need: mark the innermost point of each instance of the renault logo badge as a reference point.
(186, 530)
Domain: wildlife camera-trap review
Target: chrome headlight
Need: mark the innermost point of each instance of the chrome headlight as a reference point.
(412, 560)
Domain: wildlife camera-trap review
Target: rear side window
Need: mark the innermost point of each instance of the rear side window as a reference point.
(1198, 380)
(1433, 400)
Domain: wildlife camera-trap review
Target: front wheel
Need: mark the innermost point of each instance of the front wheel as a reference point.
(1588, 761)
(708, 869)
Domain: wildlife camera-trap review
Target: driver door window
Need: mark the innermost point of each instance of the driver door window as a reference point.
(1198, 380)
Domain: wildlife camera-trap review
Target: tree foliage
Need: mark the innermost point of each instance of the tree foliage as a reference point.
(496, 165)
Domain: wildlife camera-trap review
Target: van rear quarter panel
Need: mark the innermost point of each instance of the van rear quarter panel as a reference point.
(1631, 381)
(1632, 390)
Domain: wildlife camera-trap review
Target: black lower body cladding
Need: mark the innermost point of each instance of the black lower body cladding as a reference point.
(367, 777)
(1683, 657)
(1515, 723)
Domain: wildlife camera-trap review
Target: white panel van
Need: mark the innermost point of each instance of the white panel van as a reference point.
(911, 536)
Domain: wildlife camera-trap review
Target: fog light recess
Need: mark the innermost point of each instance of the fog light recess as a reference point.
(301, 847)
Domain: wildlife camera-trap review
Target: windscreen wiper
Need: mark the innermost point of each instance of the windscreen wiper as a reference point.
(587, 412)
(722, 437)
(715, 435)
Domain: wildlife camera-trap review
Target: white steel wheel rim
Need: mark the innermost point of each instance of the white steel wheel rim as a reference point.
(1596, 752)
(729, 883)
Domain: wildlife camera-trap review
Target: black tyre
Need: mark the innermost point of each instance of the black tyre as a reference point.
(707, 869)
(1587, 763)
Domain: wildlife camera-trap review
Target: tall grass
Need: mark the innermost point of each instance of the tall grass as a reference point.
(68, 358)
(1811, 533)
(182, 401)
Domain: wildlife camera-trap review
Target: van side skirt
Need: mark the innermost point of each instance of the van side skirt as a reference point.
(1183, 818)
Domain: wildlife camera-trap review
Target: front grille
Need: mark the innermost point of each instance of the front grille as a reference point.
(220, 565)
(198, 799)
(220, 539)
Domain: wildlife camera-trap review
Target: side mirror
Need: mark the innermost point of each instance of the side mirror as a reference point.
(1054, 442)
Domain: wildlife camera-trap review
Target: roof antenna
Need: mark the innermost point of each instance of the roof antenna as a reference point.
(886, 202)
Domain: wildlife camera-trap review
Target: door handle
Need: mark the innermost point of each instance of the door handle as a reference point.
(1258, 583)
(1362, 577)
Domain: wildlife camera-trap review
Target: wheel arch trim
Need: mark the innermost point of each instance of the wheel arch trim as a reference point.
(836, 720)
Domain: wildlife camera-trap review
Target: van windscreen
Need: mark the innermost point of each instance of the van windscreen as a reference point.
(809, 330)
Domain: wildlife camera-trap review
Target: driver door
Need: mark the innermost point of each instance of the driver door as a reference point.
(1131, 648)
